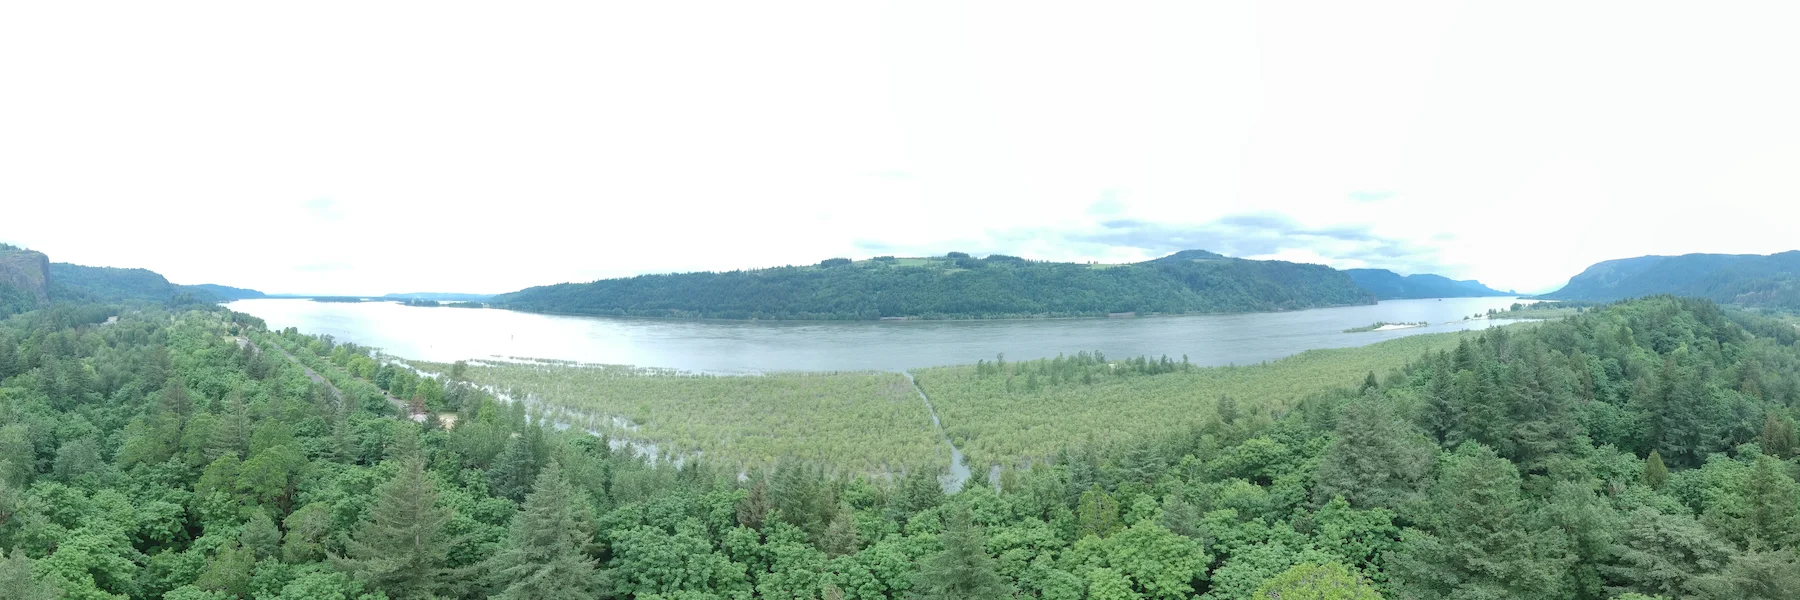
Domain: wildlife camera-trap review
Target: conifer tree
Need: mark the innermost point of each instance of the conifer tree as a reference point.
(175, 400)
(229, 571)
(755, 507)
(1757, 575)
(514, 470)
(1778, 436)
(18, 581)
(840, 536)
(1375, 459)
(543, 558)
(402, 548)
(1655, 472)
(963, 570)
(798, 491)
(260, 536)
(920, 491)
(1764, 511)
(1479, 540)
(232, 433)
(1441, 414)
(1097, 514)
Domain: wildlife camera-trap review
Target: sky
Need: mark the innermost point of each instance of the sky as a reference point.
(375, 147)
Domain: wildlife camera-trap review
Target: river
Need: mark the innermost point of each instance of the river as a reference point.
(450, 334)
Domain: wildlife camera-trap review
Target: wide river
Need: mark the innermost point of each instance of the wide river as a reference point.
(450, 334)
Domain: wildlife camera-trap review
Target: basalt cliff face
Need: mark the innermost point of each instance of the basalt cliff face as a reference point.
(24, 278)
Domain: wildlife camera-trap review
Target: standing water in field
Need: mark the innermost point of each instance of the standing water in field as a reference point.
(451, 334)
(959, 466)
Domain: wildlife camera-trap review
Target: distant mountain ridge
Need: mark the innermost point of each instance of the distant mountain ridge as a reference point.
(439, 296)
(226, 292)
(1744, 279)
(956, 286)
(1388, 285)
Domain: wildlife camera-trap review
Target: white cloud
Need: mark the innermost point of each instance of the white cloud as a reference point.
(358, 147)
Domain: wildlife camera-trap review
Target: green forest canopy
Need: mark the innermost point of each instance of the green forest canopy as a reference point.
(1644, 449)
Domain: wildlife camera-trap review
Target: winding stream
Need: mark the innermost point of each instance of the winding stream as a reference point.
(959, 466)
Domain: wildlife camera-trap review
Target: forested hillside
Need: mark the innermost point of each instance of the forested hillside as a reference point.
(1771, 281)
(956, 286)
(1644, 449)
(77, 283)
(1388, 285)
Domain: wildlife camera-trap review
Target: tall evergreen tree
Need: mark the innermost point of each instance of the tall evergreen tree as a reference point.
(1680, 415)
(1442, 413)
(19, 582)
(1778, 436)
(1764, 511)
(1479, 539)
(919, 491)
(799, 492)
(174, 398)
(840, 536)
(260, 536)
(754, 509)
(1375, 459)
(1540, 407)
(229, 571)
(1097, 514)
(403, 548)
(1666, 555)
(1656, 474)
(514, 469)
(232, 433)
(1757, 575)
(963, 570)
(543, 558)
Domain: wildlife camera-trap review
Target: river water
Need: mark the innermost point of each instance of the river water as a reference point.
(450, 334)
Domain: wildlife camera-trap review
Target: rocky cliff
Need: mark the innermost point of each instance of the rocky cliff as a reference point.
(24, 278)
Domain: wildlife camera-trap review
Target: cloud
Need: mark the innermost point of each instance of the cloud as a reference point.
(872, 246)
(1108, 204)
(1259, 235)
(892, 175)
(1259, 220)
(327, 267)
(323, 209)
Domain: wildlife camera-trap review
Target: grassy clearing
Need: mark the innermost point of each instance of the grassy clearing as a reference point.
(867, 422)
(1038, 413)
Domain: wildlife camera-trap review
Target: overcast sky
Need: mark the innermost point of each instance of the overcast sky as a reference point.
(370, 147)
